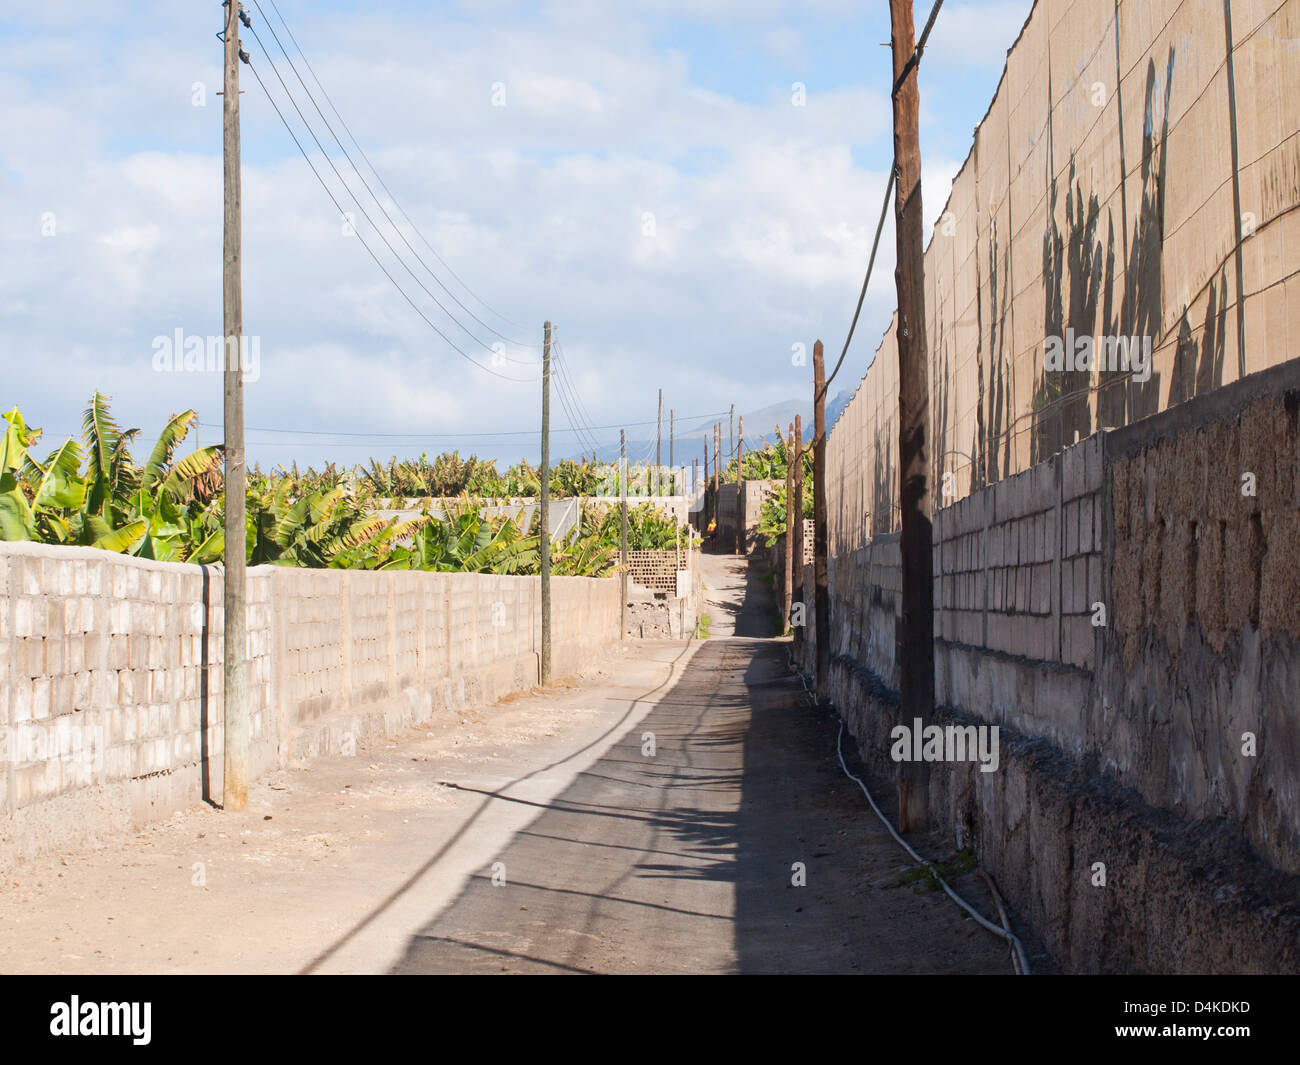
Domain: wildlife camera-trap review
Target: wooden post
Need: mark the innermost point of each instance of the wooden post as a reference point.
(821, 593)
(740, 491)
(672, 429)
(915, 647)
(787, 593)
(717, 462)
(622, 530)
(659, 442)
(545, 494)
(704, 502)
(235, 637)
(799, 549)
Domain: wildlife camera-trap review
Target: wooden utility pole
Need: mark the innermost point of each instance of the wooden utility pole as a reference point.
(659, 443)
(717, 462)
(731, 434)
(622, 532)
(704, 522)
(545, 495)
(234, 670)
(821, 592)
(672, 430)
(740, 491)
(798, 521)
(915, 646)
(790, 458)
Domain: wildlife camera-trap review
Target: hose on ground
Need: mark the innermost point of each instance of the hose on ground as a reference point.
(1018, 957)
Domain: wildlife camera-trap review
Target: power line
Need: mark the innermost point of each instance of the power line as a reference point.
(369, 250)
(584, 438)
(379, 177)
(438, 436)
(577, 412)
(380, 205)
(912, 63)
(365, 214)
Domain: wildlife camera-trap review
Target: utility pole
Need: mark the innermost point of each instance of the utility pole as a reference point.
(659, 442)
(234, 670)
(740, 491)
(622, 532)
(821, 593)
(545, 475)
(672, 432)
(717, 441)
(731, 434)
(915, 650)
(790, 459)
(798, 521)
(705, 507)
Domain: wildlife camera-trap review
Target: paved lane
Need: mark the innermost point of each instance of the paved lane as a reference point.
(681, 858)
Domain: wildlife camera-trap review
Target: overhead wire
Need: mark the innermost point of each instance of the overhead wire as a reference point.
(379, 178)
(912, 63)
(329, 192)
(366, 214)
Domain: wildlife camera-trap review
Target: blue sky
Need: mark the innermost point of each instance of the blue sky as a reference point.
(649, 184)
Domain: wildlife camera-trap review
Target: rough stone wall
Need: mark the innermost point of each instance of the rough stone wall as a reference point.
(111, 701)
(1203, 652)
(1127, 738)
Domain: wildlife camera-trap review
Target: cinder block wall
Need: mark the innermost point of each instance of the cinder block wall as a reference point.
(111, 701)
(1124, 738)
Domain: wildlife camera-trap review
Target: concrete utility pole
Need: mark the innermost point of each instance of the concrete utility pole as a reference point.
(790, 459)
(545, 494)
(234, 670)
(798, 521)
(659, 443)
(740, 491)
(915, 651)
(622, 532)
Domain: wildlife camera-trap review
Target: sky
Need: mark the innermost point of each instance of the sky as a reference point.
(687, 190)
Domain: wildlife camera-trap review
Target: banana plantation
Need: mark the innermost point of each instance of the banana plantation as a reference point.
(91, 492)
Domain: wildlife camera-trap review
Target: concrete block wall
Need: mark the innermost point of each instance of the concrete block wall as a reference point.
(1169, 731)
(111, 700)
(741, 505)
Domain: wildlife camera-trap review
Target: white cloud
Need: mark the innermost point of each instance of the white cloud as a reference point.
(763, 222)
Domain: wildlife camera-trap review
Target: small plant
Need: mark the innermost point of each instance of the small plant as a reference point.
(926, 877)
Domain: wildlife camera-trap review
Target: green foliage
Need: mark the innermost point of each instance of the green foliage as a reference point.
(927, 877)
(160, 510)
(172, 508)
